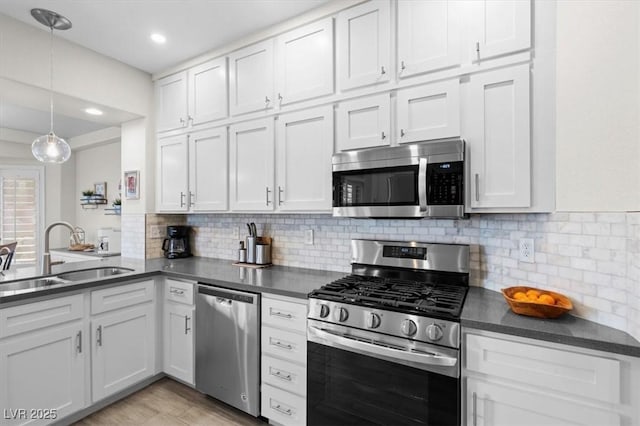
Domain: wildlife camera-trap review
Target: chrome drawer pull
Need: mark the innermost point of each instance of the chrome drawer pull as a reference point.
(186, 324)
(79, 342)
(99, 335)
(280, 314)
(474, 409)
(288, 411)
(282, 345)
(176, 291)
(279, 375)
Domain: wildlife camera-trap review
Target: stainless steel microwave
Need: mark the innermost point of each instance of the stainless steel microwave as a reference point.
(421, 180)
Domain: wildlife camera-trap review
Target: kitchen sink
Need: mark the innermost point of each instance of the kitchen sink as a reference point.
(93, 273)
(29, 284)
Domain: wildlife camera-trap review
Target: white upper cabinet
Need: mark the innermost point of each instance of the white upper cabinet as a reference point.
(304, 62)
(171, 102)
(304, 146)
(251, 78)
(497, 131)
(252, 165)
(208, 92)
(208, 170)
(428, 36)
(172, 185)
(364, 45)
(363, 123)
(499, 27)
(429, 112)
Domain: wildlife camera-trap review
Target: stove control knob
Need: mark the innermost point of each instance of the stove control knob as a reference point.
(434, 332)
(341, 315)
(323, 310)
(408, 327)
(373, 320)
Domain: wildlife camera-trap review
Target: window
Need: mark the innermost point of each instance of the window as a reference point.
(19, 212)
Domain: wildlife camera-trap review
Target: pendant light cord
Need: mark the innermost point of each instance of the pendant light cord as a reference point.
(51, 79)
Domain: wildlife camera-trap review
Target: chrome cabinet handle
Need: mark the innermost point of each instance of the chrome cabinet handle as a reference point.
(478, 47)
(279, 375)
(267, 194)
(192, 196)
(280, 98)
(267, 100)
(190, 118)
(182, 121)
(186, 324)
(402, 133)
(280, 314)
(279, 408)
(79, 342)
(279, 344)
(182, 199)
(383, 136)
(474, 412)
(402, 66)
(99, 335)
(382, 71)
(280, 191)
(177, 291)
(477, 187)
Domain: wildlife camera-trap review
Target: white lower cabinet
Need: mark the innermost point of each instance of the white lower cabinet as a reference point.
(284, 360)
(178, 330)
(42, 375)
(516, 381)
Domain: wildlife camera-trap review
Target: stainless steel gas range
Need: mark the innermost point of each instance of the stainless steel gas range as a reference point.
(384, 342)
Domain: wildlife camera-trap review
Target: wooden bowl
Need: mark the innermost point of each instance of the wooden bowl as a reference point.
(537, 309)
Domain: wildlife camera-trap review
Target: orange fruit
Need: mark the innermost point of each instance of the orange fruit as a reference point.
(533, 294)
(547, 299)
(520, 296)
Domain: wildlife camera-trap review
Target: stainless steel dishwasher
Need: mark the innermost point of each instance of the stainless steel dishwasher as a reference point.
(228, 346)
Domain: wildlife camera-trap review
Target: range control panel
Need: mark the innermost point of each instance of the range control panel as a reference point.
(404, 252)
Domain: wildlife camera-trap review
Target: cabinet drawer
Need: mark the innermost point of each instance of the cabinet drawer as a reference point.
(282, 313)
(283, 407)
(284, 374)
(552, 369)
(33, 316)
(178, 291)
(121, 296)
(285, 344)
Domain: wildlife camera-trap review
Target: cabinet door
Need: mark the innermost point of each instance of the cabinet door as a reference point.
(428, 36)
(494, 404)
(497, 135)
(42, 371)
(363, 123)
(429, 112)
(251, 78)
(122, 349)
(252, 165)
(499, 27)
(304, 149)
(364, 45)
(208, 91)
(178, 341)
(172, 174)
(305, 62)
(171, 102)
(208, 170)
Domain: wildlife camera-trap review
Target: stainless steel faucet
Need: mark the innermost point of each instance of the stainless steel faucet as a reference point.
(46, 257)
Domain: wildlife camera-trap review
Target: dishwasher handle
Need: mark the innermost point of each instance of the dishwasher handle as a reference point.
(236, 296)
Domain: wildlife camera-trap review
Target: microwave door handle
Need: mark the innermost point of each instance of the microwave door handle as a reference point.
(422, 184)
(389, 186)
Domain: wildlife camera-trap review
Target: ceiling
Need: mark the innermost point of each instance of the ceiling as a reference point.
(121, 28)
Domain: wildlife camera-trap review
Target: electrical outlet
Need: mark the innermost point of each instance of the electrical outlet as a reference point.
(156, 231)
(235, 233)
(308, 236)
(527, 251)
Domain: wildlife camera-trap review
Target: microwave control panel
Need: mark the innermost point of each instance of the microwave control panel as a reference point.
(445, 183)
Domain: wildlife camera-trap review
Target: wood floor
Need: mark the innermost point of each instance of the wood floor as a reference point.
(167, 402)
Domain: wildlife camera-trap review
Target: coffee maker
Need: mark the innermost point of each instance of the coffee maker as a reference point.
(177, 244)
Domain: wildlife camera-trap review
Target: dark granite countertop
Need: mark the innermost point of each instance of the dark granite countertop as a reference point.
(487, 310)
(282, 280)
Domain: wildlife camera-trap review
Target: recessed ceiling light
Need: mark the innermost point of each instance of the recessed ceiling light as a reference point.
(93, 111)
(158, 38)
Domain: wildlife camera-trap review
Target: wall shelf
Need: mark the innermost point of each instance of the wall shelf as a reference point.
(116, 211)
(92, 203)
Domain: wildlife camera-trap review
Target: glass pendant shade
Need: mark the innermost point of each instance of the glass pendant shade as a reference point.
(51, 149)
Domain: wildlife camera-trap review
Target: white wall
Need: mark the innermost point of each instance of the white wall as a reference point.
(138, 153)
(598, 105)
(97, 164)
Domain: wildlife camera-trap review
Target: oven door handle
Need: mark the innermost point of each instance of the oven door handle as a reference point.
(422, 184)
(346, 342)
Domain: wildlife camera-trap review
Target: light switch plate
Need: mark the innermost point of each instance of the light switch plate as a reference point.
(156, 231)
(308, 236)
(527, 251)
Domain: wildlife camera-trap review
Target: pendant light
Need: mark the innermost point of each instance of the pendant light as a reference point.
(50, 148)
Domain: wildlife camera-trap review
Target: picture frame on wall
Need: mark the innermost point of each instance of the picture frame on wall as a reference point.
(132, 185)
(100, 189)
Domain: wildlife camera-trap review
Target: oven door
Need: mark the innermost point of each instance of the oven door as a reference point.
(381, 189)
(358, 377)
